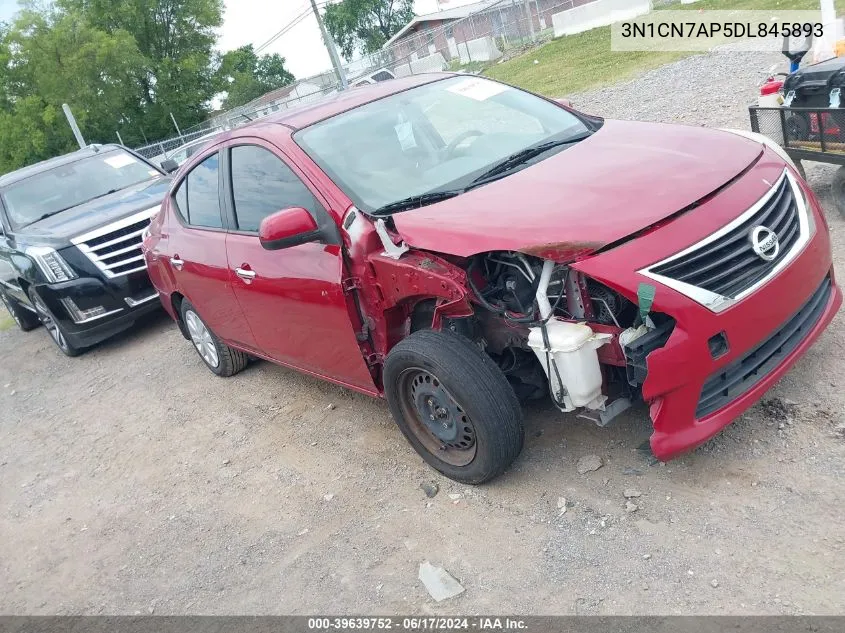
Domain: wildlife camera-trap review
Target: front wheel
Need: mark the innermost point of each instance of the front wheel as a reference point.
(53, 327)
(25, 319)
(454, 405)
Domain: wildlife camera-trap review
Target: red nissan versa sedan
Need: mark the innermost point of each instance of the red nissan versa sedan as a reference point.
(458, 246)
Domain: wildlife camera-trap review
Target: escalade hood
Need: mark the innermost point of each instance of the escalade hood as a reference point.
(91, 215)
(624, 178)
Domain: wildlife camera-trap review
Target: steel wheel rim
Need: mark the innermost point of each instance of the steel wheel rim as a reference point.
(201, 338)
(9, 309)
(435, 418)
(49, 324)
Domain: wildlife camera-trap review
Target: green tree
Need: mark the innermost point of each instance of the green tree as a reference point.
(245, 76)
(56, 57)
(175, 39)
(365, 25)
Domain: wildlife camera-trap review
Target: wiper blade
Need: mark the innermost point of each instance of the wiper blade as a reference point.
(523, 156)
(415, 202)
(102, 195)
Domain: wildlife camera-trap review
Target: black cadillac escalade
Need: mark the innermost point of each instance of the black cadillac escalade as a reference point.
(70, 243)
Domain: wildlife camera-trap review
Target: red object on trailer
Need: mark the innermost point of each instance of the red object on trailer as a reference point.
(772, 86)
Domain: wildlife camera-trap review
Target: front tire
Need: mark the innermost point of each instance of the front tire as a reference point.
(221, 359)
(453, 405)
(54, 328)
(25, 319)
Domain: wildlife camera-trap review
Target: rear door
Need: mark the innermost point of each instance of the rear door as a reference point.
(292, 297)
(196, 252)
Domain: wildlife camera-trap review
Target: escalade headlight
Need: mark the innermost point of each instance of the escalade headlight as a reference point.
(54, 267)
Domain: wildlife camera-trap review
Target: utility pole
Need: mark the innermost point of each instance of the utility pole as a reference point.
(118, 137)
(338, 67)
(176, 125)
(73, 126)
(530, 20)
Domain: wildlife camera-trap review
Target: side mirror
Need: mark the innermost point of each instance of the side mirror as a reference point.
(169, 165)
(564, 102)
(288, 227)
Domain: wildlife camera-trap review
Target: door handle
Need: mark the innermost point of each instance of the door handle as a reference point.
(177, 263)
(245, 274)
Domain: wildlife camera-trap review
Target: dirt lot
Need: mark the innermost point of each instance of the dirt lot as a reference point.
(134, 481)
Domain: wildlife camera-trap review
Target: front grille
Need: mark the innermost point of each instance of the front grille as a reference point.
(726, 264)
(741, 375)
(115, 249)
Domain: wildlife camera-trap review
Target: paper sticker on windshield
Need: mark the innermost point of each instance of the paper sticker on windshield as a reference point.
(118, 161)
(405, 134)
(478, 89)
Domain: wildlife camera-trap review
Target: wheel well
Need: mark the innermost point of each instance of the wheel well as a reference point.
(176, 302)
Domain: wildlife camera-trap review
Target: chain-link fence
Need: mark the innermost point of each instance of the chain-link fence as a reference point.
(468, 38)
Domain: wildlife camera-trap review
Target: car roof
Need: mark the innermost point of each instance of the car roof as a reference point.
(58, 161)
(304, 115)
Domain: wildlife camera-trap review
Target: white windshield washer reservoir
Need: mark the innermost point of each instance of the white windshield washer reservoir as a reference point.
(572, 348)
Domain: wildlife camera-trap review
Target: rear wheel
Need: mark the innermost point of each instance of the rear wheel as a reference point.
(218, 357)
(53, 327)
(26, 319)
(454, 405)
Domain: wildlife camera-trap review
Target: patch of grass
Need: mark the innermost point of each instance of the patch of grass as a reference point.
(574, 63)
(471, 67)
(6, 320)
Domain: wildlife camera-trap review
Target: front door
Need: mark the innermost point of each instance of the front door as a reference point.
(292, 298)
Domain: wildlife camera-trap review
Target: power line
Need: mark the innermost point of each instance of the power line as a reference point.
(285, 29)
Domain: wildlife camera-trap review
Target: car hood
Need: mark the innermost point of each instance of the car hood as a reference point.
(96, 213)
(624, 178)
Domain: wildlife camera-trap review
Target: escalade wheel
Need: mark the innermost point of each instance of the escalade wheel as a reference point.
(453, 405)
(53, 327)
(26, 319)
(220, 358)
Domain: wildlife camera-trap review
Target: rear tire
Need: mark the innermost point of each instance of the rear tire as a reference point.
(454, 405)
(221, 359)
(837, 190)
(54, 327)
(26, 319)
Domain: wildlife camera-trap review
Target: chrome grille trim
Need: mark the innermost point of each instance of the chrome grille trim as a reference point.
(99, 245)
(718, 302)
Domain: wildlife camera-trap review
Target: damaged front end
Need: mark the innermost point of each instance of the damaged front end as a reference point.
(553, 330)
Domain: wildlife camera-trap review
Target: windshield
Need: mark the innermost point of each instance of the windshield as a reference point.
(444, 136)
(72, 184)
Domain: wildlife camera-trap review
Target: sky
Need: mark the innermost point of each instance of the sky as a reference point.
(256, 21)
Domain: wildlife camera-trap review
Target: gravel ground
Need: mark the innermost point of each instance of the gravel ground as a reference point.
(133, 481)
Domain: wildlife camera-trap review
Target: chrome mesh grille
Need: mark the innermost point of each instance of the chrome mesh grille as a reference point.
(115, 249)
(728, 265)
(733, 262)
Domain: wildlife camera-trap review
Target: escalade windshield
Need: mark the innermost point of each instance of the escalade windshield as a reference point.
(436, 141)
(69, 185)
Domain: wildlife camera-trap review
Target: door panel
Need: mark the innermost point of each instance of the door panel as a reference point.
(204, 279)
(296, 308)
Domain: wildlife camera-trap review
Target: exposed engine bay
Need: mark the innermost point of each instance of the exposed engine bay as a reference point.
(553, 331)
